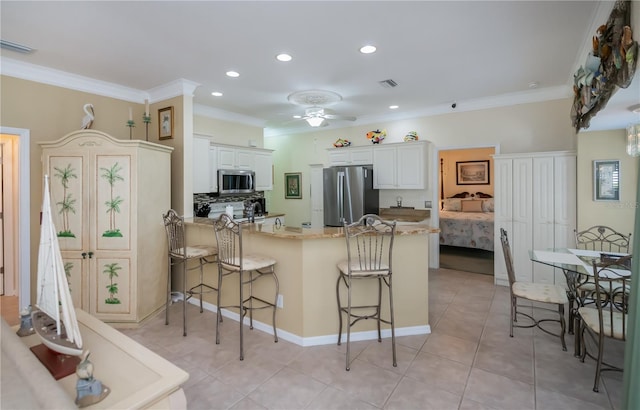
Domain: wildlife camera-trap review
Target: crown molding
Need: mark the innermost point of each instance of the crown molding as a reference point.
(58, 78)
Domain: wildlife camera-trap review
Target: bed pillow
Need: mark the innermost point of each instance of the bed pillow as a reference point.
(488, 205)
(471, 206)
(452, 204)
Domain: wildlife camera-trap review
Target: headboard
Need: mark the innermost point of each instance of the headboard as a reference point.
(461, 194)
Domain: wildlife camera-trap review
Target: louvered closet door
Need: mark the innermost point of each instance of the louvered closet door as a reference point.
(543, 214)
(521, 239)
(565, 175)
(503, 217)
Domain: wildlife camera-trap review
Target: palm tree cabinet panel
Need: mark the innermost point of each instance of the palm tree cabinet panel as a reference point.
(109, 196)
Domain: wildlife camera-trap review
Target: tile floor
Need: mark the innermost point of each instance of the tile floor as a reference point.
(467, 362)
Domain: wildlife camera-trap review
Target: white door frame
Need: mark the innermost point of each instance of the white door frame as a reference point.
(434, 244)
(24, 210)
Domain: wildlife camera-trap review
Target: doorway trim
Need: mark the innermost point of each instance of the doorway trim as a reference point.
(24, 210)
(434, 245)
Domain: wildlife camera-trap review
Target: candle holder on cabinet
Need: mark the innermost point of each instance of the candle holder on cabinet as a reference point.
(146, 119)
(131, 124)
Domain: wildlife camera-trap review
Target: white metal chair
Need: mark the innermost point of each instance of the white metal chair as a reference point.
(369, 251)
(534, 292)
(607, 316)
(180, 253)
(249, 267)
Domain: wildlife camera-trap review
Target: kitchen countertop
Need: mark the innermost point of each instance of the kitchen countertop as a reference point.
(403, 214)
(290, 232)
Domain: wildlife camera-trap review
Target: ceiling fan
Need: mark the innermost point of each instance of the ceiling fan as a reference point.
(317, 116)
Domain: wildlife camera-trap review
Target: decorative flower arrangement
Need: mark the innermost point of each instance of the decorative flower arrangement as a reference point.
(411, 136)
(341, 142)
(376, 136)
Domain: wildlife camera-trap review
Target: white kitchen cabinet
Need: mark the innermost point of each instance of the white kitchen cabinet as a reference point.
(213, 169)
(400, 166)
(263, 167)
(235, 158)
(535, 202)
(201, 165)
(108, 214)
(256, 159)
(350, 156)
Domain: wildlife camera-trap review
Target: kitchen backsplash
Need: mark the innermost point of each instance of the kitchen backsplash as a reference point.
(200, 199)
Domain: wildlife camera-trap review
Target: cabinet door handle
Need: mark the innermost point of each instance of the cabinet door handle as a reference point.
(84, 255)
(90, 255)
(278, 223)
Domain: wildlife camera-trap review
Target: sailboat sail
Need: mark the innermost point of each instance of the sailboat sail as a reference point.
(53, 296)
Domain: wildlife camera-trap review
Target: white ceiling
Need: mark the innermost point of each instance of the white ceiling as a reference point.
(476, 53)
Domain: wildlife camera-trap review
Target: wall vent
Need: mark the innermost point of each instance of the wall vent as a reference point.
(388, 83)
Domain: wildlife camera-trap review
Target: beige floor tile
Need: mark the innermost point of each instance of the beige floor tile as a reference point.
(413, 394)
(514, 362)
(367, 382)
(287, 389)
(321, 362)
(247, 404)
(498, 391)
(247, 375)
(452, 348)
(440, 373)
(468, 404)
(548, 399)
(414, 341)
(211, 393)
(381, 355)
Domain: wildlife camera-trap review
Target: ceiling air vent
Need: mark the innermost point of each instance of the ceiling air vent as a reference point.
(388, 83)
(8, 45)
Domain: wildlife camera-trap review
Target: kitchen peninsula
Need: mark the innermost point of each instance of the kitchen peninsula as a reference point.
(306, 268)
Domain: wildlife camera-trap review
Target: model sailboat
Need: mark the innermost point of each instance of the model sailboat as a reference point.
(55, 321)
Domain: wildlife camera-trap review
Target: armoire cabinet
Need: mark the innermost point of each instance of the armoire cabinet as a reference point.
(535, 202)
(108, 197)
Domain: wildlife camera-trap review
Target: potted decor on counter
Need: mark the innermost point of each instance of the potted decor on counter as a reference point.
(411, 136)
(341, 142)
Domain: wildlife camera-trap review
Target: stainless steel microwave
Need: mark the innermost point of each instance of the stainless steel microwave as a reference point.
(236, 181)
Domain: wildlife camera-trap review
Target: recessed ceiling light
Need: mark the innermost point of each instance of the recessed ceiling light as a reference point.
(297, 116)
(233, 74)
(216, 94)
(368, 49)
(393, 107)
(284, 57)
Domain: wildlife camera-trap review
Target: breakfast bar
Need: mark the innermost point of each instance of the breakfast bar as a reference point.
(306, 268)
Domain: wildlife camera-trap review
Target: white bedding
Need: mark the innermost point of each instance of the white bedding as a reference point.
(467, 229)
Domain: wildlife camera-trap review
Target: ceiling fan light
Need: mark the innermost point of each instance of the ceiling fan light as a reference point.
(315, 121)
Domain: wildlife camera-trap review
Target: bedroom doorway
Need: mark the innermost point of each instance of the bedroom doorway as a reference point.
(465, 208)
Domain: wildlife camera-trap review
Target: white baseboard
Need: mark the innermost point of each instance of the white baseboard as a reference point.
(315, 340)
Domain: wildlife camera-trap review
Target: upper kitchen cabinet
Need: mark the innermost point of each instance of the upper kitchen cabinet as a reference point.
(263, 167)
(400, 166)
(350, 156)
(108, 216)
(236, 158)
(205, 157)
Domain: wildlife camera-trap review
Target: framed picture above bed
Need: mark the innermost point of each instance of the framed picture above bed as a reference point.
(472, 172)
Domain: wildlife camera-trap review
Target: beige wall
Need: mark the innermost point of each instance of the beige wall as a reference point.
(606, 145)
(227, 132)
(51, 112)
(543, 126)
(449, 159)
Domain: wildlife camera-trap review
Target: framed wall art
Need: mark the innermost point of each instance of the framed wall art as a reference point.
(472, 172)
(165, 123)
(292, 187)
(606, 180)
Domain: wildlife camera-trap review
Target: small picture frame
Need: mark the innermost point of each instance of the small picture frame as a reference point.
(292, 187)
(472, 173)
(606, 180)
(165, 123)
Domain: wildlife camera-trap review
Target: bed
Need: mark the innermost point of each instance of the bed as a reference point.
(467, 220)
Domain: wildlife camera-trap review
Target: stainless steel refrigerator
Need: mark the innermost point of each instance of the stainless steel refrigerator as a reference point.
(349, 194)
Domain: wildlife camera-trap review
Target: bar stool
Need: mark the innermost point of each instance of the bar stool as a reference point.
(250, 268)
(369, 251)
(180, 253)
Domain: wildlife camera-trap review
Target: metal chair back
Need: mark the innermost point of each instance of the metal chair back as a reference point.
(174, 227)
(612, 286)
(229, 238)
(370, 245)
(508, 259)
(602, 238)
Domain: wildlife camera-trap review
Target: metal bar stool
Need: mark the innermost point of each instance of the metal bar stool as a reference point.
(369, 249)
(180, 253)
(250, 268)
